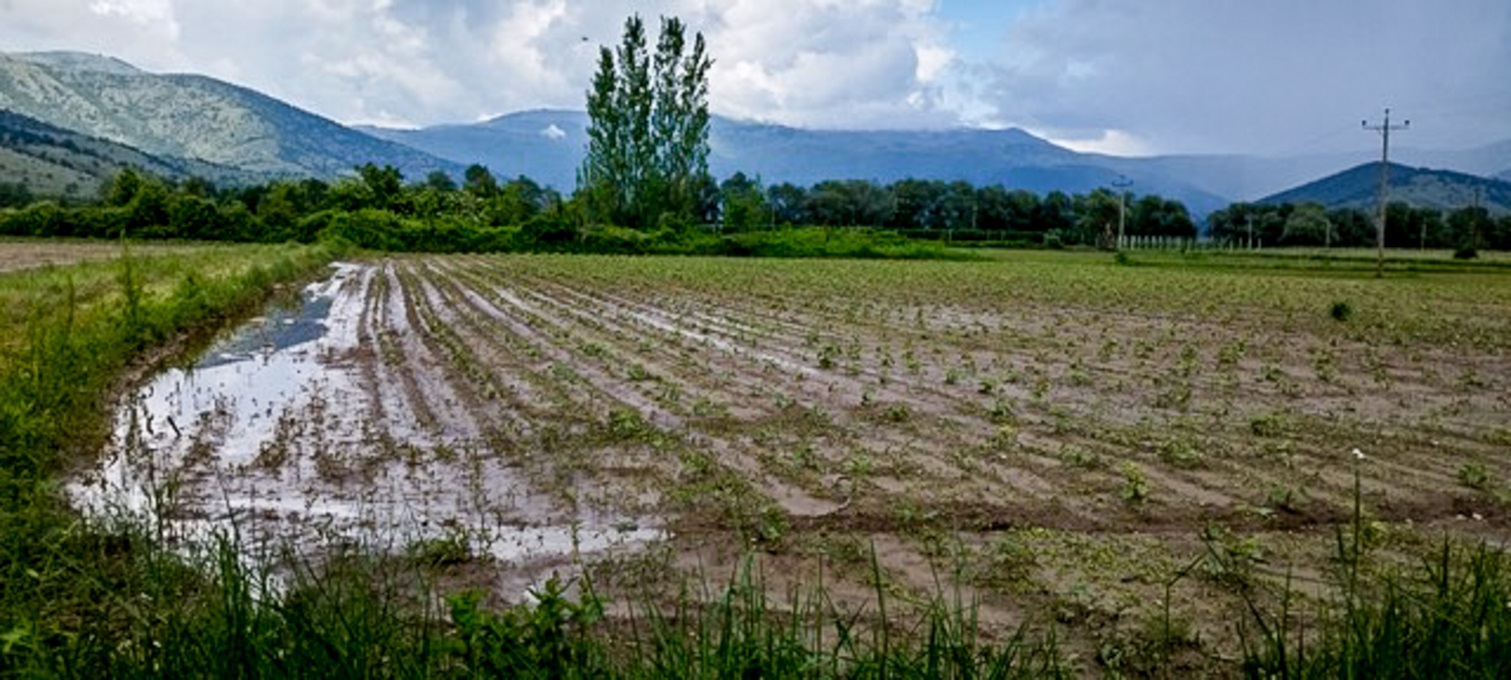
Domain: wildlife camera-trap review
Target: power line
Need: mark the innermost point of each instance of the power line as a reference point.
(1384, 129)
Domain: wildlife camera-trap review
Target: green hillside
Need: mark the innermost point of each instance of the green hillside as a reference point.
(49, 161)
(1420, 187)
(190, 116)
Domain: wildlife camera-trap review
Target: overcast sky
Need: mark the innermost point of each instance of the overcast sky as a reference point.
(1276, 77)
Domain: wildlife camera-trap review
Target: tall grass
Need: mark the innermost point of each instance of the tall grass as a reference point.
(67, 591)
(1447, 617)
(359, 615)
(744, 633)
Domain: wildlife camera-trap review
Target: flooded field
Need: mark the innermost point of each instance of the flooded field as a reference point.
(1051, 439)
(292, 432)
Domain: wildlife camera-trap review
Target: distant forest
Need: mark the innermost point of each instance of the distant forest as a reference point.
(1310, 224)
(377, 208)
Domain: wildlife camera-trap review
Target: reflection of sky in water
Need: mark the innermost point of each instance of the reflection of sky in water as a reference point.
(282, 328)
(249, 379)
(275, 368)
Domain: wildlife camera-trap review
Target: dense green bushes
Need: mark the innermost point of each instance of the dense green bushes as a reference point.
(375, 209)
(192, 217)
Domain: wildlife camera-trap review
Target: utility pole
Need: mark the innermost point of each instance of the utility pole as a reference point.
(1384, 130)
(1477, 232)
(1121, 184)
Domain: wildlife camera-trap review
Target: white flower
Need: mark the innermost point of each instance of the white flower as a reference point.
(1358, 455)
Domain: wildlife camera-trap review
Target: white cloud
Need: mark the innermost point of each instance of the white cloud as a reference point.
(140, 12)
(830, 64)
(1111, 142)
(1171, 75)
(809, 62)
(142, 31)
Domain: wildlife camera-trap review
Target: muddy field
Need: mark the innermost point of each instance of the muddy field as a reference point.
(1056, 438)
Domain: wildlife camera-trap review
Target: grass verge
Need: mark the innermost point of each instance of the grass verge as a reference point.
(1447, 617)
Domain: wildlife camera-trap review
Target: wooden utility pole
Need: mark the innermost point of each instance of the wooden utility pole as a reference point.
(1121, 184)
(1384, 130)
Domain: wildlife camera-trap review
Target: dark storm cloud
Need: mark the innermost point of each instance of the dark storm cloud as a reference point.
(1284, 76)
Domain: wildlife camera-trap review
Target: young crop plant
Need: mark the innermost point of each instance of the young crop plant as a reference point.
(1135, 484)
(896, 413)
(639, 373)
(1231, 353)
(1474, 475)
(1269, 425)
(1230, 560)
(1079, 457)
(1182, 453)
(1002, 412)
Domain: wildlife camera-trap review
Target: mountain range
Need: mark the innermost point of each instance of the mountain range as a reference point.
(547, 146)
(179, 119)
(191, 117)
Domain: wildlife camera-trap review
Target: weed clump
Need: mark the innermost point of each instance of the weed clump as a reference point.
(1474, 476)
(1342, 311)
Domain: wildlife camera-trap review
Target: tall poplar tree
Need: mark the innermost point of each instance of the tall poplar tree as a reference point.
(647, 155)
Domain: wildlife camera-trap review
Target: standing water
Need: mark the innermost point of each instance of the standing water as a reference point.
(278, 437)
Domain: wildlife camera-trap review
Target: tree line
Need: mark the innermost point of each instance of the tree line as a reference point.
(377, 207)
(1406, 226)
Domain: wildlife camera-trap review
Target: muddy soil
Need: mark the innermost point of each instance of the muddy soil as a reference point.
(1057, 458)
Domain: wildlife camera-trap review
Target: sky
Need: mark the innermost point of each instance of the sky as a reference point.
(1128, 77)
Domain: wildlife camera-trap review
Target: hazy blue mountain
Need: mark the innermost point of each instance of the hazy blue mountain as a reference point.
(1487, 161)
(547, 145)
(1421, 187)
(227, 126)
(52, 162)
(191, 116)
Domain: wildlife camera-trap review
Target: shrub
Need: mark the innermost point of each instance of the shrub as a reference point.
(612, 239)
(549, 229)
(366, 228)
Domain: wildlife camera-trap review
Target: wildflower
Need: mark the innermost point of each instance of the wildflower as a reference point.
(1358, 455)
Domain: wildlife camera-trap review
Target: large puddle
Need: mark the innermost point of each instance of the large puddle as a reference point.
(278, 437)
